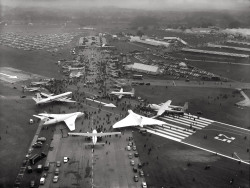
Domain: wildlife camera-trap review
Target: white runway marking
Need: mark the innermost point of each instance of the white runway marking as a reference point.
(177, 132)
(8, 75)
(215, 153)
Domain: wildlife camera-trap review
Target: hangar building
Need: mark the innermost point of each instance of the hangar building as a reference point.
(139, 67)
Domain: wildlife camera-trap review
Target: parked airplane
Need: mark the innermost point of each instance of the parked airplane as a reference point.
(45, 82)
(75, 75)
(69, 119)
(245, 102)
(60, 98)
(134, 119)
(31, 89)
(94, 136)
(121, 93)
(167, 107)
(75, 68)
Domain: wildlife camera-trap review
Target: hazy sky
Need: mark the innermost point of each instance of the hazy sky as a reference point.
(138, 4)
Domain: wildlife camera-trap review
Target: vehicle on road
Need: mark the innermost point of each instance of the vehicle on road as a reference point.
(55, 179)
(32, 183)
(42, 181)
(136, 179)
(65, 159)
(134, 148)
(143, 184)
(57, 171)
(46, 167)
(135, 170)
(141, 173)
(136, 154)
(130, 155)
(58, 163)
(128, 148)
(132, 162)
(29, 169)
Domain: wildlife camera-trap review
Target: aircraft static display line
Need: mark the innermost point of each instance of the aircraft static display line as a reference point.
(69, 119)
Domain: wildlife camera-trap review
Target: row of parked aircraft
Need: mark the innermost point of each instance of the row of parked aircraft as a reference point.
(132, 119)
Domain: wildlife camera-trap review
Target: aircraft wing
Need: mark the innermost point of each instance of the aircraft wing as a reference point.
(70, 122)
(64, 100)
(136, 120)
(46, 95)
(94, 134)
(164, 107)
(39, 116)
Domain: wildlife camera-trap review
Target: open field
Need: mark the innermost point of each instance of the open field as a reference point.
(16, 132)
(232, 71)
(216, 104)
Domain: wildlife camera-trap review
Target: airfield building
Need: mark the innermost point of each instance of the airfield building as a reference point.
(198, 51)
(151, 42)
(139, 67)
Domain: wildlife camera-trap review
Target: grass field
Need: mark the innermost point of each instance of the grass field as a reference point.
(232, 71)
(216, 104)
(16, 133)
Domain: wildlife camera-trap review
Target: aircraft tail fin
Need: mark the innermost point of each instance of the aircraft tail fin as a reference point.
(37, 98)
(185, 107)
(133, 92)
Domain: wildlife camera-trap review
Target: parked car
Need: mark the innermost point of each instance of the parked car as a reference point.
(42, 181)
(128, 148)
(132, 162)
(58, 163)
(65, 159)
(141, 173)
(134, 148)
(130, 155)
(135, 169)
(136, 179)
(57, 171)
(32, 183)
(55, 179)
(136, 154)
(143, 184)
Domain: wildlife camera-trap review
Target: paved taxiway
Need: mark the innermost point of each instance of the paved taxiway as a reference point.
(216, 137)
(107, 166)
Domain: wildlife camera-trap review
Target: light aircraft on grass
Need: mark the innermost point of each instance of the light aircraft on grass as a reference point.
(121, 93)
(46, 82)
(69, 119)
(134, 119)
(49, 98)
(31, 89)
(167, 107)
(94, 136)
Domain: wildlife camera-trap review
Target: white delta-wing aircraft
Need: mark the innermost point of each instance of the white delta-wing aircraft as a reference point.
(167, 107)
(49, 98)
(246, 101)
(134, 119)
(94, 136)
(69, 119)
(121, 93)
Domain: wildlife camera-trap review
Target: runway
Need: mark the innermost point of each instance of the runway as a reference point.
(212, 136)
(11, 75)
